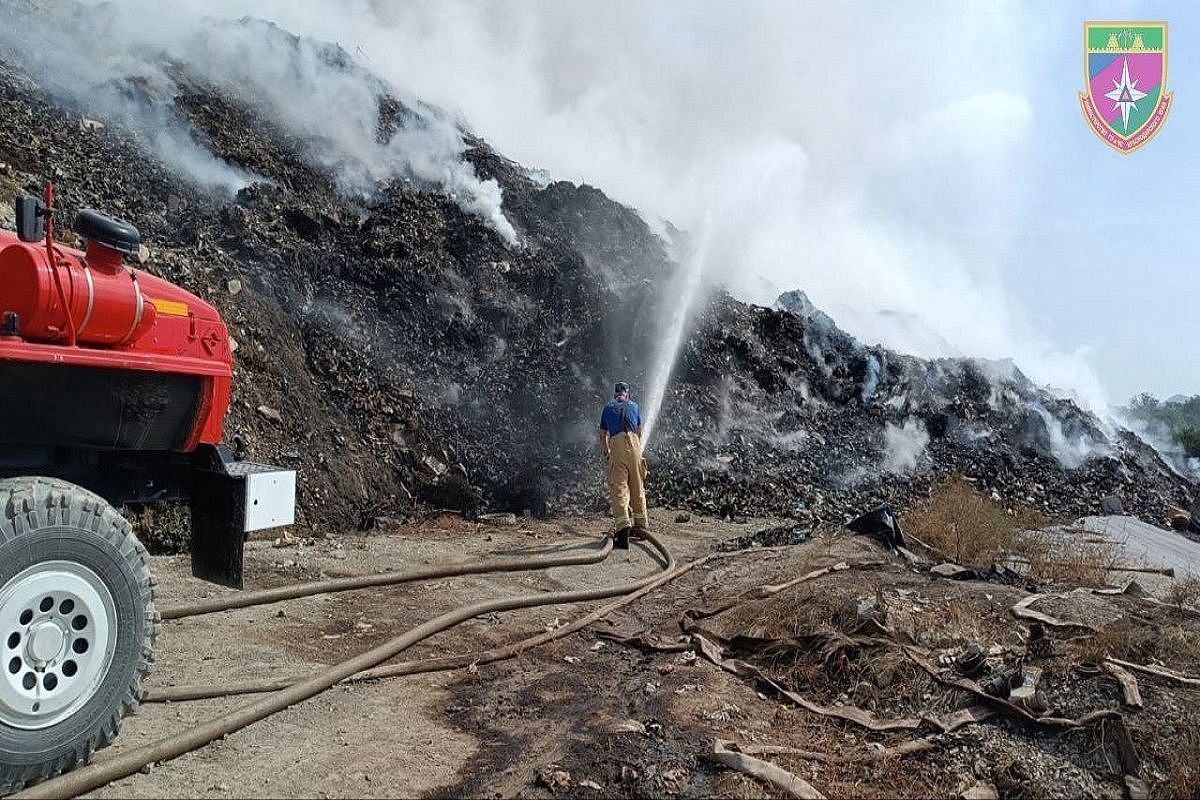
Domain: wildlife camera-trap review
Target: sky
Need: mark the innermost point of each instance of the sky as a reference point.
(1110, 253)
(921, 170)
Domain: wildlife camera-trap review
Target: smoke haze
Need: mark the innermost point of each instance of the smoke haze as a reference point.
(123, 62)
(903, 446)
(873, 155)
(870, 154)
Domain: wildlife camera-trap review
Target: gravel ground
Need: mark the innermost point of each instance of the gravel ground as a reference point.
(387, 738)
(591, 717)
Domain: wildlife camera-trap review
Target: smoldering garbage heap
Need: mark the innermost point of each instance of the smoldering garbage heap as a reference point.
(402, 355)
(391, 347)
(787, 408)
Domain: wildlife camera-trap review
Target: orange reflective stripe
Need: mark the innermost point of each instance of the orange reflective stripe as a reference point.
(171, 308)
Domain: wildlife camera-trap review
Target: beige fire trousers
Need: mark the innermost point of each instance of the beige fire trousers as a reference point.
(626, 481)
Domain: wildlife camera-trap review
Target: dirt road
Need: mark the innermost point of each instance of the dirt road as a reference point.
(386, 738)
(590, 716)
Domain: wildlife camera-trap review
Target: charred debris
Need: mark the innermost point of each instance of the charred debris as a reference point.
(404, 356)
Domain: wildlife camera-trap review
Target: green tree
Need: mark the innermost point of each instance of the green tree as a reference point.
(1189, 438)
(1179, 421)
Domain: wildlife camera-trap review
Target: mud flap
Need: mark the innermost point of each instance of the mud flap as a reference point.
(228, 499)
(218, 520)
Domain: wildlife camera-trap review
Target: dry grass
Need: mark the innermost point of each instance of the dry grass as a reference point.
(1179, 648)
(912, 776)
(1176, 646)
(1184, 592)
(1063, 559)
(950, 624)
(1183, 770)
(968, 527)
(796, 612)
(971, 529)
(1122, 639)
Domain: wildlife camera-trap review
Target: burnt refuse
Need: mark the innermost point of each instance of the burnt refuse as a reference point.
(415, 359)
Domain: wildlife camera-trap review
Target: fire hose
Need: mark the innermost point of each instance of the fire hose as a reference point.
(126, 763)
(297, 590)
(173, 694)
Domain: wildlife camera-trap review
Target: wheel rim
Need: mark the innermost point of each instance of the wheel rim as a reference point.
(58, 623)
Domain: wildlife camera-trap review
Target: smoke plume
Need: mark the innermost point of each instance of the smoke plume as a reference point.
(1071, 450)
(128, 60)
(903, 446)
(872, 155)
(809, 143)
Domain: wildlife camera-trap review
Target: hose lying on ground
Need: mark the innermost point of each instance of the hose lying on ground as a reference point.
(126, 763)
(171, 694)
(297, 590)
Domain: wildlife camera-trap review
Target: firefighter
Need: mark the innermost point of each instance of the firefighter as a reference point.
(621, 443)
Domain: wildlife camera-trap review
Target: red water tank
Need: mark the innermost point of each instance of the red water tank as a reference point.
(141, 343)
(104, 297)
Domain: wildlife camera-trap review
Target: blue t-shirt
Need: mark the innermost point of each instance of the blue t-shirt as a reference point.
(610, 418)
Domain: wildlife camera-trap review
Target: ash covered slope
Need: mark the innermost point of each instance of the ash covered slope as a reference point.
(779, 410)
(392, 342)
(397, 341)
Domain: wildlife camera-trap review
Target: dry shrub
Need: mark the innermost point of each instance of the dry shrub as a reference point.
(810, 646)
(1183, 770)
(968, 527)
(792, 617)
(1184, 592)
(163, 528)
(796, 612)
(1064, 559)
(973, 530)
(1122, 639)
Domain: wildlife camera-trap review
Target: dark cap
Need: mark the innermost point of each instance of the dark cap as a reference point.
(621, 386)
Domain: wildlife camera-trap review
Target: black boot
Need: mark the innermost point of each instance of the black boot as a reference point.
(621, 539)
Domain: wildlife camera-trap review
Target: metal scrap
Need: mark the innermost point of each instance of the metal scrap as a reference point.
(1002, 705)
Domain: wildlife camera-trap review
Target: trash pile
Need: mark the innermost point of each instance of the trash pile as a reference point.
(778, 411)
(844, 667)
(402, 354)
(986, 687)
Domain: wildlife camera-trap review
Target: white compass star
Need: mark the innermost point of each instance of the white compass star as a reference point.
(1125, 95)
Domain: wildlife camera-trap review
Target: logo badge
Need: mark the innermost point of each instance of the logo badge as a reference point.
(1125, 65)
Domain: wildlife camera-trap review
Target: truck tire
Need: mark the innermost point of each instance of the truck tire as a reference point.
(77, 627)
